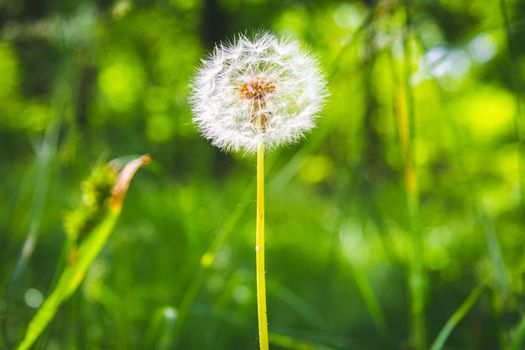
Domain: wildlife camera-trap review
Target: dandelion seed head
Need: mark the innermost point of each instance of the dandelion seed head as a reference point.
(264, 90)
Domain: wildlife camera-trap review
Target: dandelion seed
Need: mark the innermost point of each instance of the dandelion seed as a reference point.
(257, 91)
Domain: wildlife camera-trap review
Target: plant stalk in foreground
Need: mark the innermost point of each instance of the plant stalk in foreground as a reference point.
(259, 253)
(88, 228)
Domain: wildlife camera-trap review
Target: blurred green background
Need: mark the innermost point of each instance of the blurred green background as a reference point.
(405, 199)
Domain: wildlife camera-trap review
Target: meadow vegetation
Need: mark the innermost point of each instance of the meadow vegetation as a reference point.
(398, 223)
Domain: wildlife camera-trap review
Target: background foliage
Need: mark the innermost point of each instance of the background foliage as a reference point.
(409, 192)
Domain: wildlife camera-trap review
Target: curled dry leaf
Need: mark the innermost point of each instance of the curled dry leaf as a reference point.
(124, 178)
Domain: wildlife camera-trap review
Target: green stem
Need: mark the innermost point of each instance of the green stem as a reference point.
(457, 316)
(517, 90)
(407, 124)
(259, 253)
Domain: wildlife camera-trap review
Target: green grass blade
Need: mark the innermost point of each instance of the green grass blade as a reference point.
(370, 298)
(70, 279)
(44, 157)
(207, 261)
(517, 89)
(287, 342)
(456, 317)
(405, 112)
(299, 305)
(87, 252)
(160, 332)
(495, 253)
(519, 335)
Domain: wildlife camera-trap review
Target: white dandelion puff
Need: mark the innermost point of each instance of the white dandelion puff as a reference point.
(262, 91)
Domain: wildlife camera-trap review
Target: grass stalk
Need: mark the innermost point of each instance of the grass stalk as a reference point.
(83, 254)
(457, 316)
(259, 254)
(69, 281)
(518, 336)
(517, 90)
(287, 342)
(44, 159)
(519, 333)
(207, 260)
(485, 223)
(404, 110)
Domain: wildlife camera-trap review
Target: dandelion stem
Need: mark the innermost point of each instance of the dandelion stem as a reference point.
(259, 253)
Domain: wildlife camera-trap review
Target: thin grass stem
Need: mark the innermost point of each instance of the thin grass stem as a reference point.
(404, 110)
(518, 336)
(457, 316)
(517, 90)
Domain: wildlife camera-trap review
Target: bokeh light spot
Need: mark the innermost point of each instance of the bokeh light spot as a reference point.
(33, 298)
(348, 16)
(482, 48)
(159, 128)
(488, 112)
(8, 70)
(120, 82)
(316, 169)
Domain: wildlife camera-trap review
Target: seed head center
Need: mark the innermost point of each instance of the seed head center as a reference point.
(257, 89)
